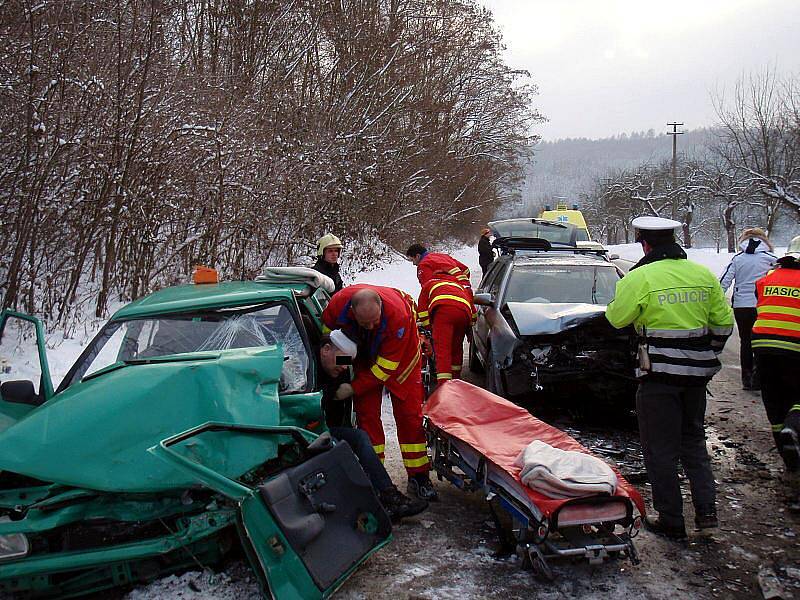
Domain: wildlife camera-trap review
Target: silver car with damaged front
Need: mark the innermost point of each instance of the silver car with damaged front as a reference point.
(541, 330)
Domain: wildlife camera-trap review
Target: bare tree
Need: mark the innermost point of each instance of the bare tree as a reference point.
(138, 138)
(759, 143)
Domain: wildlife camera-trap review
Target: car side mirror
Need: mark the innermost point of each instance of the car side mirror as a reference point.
(21, 392)
(613, 256)
(483, 299)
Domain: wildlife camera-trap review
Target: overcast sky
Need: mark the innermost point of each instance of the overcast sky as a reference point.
(608, 66)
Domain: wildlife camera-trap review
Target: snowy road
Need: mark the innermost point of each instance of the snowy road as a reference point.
(449, 551)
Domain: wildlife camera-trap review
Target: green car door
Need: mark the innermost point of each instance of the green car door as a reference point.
(306, 528)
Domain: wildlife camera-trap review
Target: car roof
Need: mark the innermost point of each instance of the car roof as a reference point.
(185, 298)
(569, 259)
(531, 220)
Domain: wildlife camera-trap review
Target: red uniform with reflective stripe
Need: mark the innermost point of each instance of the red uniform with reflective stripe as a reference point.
(442, 290)
(388, 355)
(777, 325)
(438, 262)
(446, 307)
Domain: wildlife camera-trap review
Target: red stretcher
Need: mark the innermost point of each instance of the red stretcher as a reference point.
(475, 437)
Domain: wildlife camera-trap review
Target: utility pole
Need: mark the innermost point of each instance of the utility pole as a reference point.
(674, 133)
(687, 238)
(610, 225)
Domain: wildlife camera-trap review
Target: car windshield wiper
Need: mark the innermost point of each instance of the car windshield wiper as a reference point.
(107, 369)
(594, 287)
(173, 358)
(151, 360)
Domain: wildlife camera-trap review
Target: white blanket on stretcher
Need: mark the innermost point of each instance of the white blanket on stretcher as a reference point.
(562, 474)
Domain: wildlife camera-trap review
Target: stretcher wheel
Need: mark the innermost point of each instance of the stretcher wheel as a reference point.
(540, 566)
(608, 526)
(633, 554)
(428, 374)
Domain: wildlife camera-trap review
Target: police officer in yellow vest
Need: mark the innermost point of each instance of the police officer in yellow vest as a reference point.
(683, 320)
(776, 343)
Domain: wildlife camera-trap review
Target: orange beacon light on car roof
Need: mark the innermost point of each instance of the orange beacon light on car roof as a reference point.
(203, 274)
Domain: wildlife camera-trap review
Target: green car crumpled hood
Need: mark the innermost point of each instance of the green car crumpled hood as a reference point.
(96, 433)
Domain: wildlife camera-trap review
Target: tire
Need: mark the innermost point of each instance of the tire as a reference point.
(475, 364)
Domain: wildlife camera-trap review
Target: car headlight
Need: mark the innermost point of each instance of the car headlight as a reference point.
(13, 546)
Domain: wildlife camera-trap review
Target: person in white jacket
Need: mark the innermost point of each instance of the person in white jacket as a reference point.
(746, 267)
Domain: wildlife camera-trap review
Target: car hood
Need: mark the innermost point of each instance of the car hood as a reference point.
(549, 319)
(96, 433)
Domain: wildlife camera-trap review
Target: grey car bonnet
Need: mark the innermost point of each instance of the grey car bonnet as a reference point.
(551, 318)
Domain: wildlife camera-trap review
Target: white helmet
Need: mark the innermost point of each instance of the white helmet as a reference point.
(328, 241)
(794, 247)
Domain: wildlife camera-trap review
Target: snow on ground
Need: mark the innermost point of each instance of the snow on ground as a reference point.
(21, 356)
(402, 273)
(21, 361)
(237, 581)
(715, 261)
(18, 353)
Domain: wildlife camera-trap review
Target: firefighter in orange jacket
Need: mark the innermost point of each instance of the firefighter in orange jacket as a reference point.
(776, 345)
(430, 263)
(446, 307)
(383, 322)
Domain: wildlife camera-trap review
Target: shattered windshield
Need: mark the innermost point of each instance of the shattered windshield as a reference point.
(203, 331)
(574, 284)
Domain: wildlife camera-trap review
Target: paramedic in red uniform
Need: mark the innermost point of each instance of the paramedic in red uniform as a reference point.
(446, 308)
(776, 344)
(383, 322)
(430, 263)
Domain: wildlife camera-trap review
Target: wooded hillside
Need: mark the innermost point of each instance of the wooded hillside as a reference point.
(139, 137)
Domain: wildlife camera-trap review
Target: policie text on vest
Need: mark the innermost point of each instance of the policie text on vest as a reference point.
(691, 296)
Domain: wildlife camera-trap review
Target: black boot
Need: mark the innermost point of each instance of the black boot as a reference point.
(398, 505)
(747, 380)
(755, 380)
(789, 445)
(421, 486)
(705, 516)
(791, 480)
(659, 527)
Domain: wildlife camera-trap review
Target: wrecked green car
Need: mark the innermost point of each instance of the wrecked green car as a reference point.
(191, 419)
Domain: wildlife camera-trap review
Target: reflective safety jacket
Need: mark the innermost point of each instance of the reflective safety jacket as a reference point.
(444, 290)
(437, 262)
(388, 354)
(683, 320)
(777, 327)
